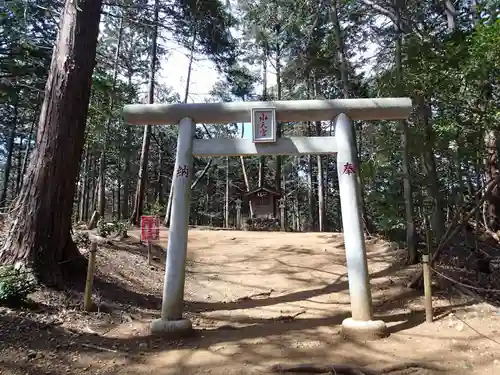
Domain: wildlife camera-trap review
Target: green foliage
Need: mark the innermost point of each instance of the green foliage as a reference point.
(15, 285)
(453, 76)
(105, 228)
(262, 224)
(81, 239)
(209, 24)
(156, 208)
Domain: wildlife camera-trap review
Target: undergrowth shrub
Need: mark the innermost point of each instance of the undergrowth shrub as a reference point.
(81, 239)
(104, 228)
(15, 285)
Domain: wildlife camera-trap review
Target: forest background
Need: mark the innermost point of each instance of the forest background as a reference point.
(443, 54)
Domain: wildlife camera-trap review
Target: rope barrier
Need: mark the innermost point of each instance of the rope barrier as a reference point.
(463, 284)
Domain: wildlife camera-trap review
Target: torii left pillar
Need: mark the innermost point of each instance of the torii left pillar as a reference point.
(171, 320)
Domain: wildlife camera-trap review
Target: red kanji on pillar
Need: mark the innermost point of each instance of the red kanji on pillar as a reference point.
(150, 228)
(349, 168)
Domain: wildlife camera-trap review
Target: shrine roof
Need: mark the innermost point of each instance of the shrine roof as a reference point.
(262, 188)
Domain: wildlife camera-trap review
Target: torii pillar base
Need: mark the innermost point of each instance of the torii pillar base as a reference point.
(364, 330)
(171, 328)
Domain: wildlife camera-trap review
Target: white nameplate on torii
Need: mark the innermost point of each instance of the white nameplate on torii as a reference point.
(263, 125)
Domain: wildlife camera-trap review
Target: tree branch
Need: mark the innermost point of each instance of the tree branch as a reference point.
(405, 27)
(453, 230)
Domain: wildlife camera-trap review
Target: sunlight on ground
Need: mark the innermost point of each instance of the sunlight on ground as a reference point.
(262, 298)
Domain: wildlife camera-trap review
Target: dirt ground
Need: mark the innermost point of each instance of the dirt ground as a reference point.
(255, 299)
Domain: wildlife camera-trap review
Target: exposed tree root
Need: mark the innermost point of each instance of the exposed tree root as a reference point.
(251, 297)
(342, 369)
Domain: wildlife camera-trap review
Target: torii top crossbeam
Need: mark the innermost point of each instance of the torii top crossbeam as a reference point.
(286, 111)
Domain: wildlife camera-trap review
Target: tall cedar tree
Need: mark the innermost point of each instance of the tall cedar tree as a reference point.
(39, 236)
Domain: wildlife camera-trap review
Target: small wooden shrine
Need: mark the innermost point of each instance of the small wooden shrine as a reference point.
(264, 202)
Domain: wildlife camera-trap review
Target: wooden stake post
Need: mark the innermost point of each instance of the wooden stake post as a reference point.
(282, 213)
(429, 318)
(87, 301)
(238, 213)
(428, 208)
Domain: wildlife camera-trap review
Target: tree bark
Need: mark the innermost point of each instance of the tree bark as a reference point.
(310, 192)
(84, 186)
(344, 74)
(93, 186)
(321, 196)
(429, 163)
(19, 166)
(102, 161)
(28, 143)
(262, 159)
(146, 140)
(411, 239)
(39, 235)
(128, 156)
(186, 97)
(101, 184)
(10, 152)
(492, 144)
(244, 171)
(451, 13)
(226, 198)
(279, 158)
(118, 198)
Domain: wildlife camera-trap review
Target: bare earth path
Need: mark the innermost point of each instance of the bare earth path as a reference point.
(257, 299)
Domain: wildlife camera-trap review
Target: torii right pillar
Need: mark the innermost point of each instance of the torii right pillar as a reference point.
(361, 325)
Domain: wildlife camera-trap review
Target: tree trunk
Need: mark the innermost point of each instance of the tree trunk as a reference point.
(169, 202)
(340, 49)
(279, 158)
(321, 196)
(310, 194)
(244, 171)
(146, 139)
(247, 184)
(93, 187)
(28, 144)
(186, 96)
(19, 174)
(207, 200)
(297, 212)
(8, 161)
(429, 163)
(26, 153)
(126, 175)
(411, 239)
(344, 74)
(451, 13)
(101, 185)
(39, 236)
(82, 216)
(262, 159)
(491, 141)
(226, 196)
(103, 161)
(118, 198)
(113, 200)
(159, 181)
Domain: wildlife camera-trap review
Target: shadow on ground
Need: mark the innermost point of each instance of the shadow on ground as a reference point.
(233, 330)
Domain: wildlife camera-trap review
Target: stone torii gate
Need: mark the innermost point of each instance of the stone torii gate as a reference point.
(264, 116)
